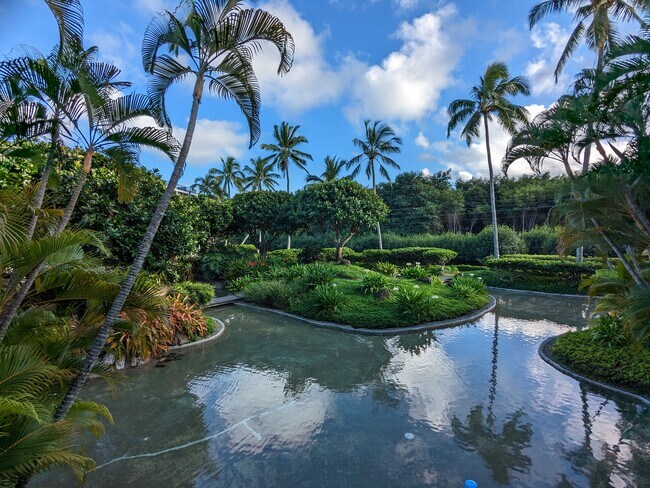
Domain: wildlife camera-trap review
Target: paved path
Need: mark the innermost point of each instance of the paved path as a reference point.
(226, 300)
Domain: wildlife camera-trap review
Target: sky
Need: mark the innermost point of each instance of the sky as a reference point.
(399, 61)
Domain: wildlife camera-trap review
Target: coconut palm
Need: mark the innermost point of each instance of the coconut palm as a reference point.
(209, 185)
(284, 152)
(378, 144)
(489, 99)
(333, 168)
(259, 174)
(229, 175)
(212, 41)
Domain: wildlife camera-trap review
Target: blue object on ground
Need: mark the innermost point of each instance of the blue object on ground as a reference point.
(471, 484)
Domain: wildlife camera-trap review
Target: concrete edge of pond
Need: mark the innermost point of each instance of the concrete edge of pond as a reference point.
(538, 293)
(563, 369)
(441, 324)
(221, 328)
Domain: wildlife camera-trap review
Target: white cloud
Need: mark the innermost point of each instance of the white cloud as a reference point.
(407, 4)
(312, 82)
(422, 141)
(153, 6)
(426, 172)
(465, 175)
(406, 85)
(214, 139)
(117, 48)
(550, 38)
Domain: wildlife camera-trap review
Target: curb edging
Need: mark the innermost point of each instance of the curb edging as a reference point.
(441, 324)
(563, 369)
(221, 328)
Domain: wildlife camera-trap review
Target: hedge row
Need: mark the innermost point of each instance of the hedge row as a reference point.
(401, 256)
(568, 270)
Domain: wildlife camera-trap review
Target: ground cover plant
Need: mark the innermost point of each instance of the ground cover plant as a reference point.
(361, 297)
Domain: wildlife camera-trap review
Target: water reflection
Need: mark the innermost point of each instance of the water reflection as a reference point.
(279, 403)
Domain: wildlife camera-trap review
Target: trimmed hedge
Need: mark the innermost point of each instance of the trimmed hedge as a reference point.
(287, 256)
(329, 254)
(567, 269)
(196, 293)
(621, 366)
(401, 256)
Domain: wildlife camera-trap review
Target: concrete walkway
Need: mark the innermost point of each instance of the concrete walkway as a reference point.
(225, 300)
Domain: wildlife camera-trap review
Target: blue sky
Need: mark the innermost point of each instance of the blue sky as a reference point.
(401, 61)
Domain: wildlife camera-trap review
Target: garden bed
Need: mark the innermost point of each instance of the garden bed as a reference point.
(363, 298)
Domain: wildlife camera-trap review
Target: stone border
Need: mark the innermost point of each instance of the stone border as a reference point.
(441, 324)
(539, 293)
(221, 328)
(563, 369)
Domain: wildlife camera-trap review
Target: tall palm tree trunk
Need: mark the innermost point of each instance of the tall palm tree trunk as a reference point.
(374, 189)
(126, 286)
(288, 191)
(47, 171)
(72, 203)
(493, 204)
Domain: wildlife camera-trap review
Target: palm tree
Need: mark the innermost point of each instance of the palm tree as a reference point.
(214, 41)
(490, 99)
(284, 152)
(229, 175)
(209, 185)
(380, 142)
(259, 174)
(333, 168)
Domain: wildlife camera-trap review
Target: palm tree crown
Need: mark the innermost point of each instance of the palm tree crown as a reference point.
(284, 150)
(489, 99)
(333, 168)
(230, 175)
(209, 185)
(379, 142)
(259, 174)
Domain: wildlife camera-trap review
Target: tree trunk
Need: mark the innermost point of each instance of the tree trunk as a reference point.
(339, 252)
(637, 279)
(493, 204)
(374, 189)
(288, 191)
(638, 214)
(126, 286)
(72, 203)
(47, 171)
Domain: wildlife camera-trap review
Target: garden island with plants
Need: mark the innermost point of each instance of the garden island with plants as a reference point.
(171, 310)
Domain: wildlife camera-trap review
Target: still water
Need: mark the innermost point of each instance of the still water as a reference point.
(277, 402)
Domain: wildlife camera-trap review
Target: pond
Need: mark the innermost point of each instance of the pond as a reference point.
(277, 402)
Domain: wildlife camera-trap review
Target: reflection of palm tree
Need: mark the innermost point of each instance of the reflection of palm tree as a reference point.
(501, 451)
(416, 343)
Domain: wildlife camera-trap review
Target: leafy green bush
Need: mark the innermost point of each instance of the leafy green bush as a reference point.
(401, 256)
(310, 253)
(467, 286)
(413, 303)
(238, 284)
(373, 283)
(318, 274)
(483, 245)
(327, 299)
(386, 268)
(329, 254)
(541, 240)
(269, 293)
(416, 272)
(608, 332)
(196, 293)
(623, 366)
(567, 268)
(286, 256)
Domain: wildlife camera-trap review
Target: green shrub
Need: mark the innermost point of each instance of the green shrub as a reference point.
(269, 293)
(196, 293)
(329, 254)
(286, 256)
(467, 286)
(623, 366)
(209, 266)
(238, 284)
(327, 299)
(608, 332)
(565, 268)
(310, 253)
(483, 245)
(416, 272)
(541, 240)
(434, 270)
(413, 302)
(385, 268)
(318, 274)
(402, 256)
(373, 283)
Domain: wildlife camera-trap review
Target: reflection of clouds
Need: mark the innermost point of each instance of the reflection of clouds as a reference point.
(233, 395)
(431, 382)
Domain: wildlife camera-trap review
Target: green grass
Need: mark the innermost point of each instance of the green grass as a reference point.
(350, 305)
(620, 366)
(519, 280)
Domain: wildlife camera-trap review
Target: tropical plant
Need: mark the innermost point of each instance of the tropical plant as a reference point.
(467, 286)
(413, 302)
(374, 283)
(194, 292)
(284, 152)
(416, 272)
(608, 332)
(217, 41)
(318, 274)
(209, 185)
(327, 299)
(378, 144)
(490, 100)
(386, 268)
(333, 168)
(230, 175)
(259, 175)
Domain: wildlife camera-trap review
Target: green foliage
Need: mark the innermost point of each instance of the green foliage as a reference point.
(310, 253)
(329, 254)
(269, 294)
(567, 269)
(264, 216)
(413, 302)
(468, 286)
(373, 283)
(327, 299)
(196, 293)
(622, 366)
(286, 256)
(386, 268)
(608, 332)
(341, 207)
(238, 284)
(318, 274)
(402, 256)
(416, 272)
(542, 240)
